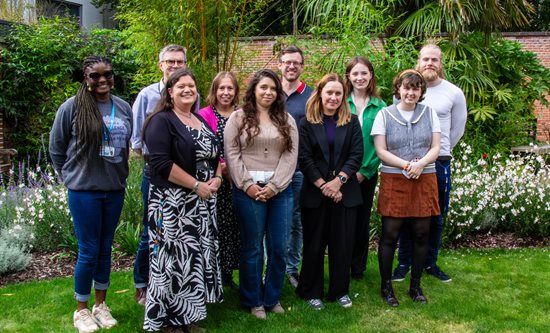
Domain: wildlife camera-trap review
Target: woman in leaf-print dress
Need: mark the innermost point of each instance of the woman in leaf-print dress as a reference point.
(185, 178)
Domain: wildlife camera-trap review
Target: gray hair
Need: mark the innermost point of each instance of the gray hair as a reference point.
(173, 48)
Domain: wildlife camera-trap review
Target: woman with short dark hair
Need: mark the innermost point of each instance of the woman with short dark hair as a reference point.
(406, 137)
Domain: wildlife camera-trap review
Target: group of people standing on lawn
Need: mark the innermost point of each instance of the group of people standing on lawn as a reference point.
(259, 186)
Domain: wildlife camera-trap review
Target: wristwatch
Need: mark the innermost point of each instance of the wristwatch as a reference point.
(343, 179)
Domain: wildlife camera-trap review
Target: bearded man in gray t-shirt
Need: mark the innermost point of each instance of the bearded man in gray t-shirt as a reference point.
(450, 104)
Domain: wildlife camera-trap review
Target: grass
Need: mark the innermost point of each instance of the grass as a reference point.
(492, 291)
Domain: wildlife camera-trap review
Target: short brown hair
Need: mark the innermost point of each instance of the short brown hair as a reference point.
(291, 49)
(409, 77)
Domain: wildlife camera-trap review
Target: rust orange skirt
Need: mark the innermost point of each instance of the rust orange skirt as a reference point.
(402, 197)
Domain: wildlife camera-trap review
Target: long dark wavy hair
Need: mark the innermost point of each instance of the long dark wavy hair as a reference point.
(89, 124)
(277, 111)
(165, 103)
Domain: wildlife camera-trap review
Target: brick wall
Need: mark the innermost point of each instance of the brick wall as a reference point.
(259, 52)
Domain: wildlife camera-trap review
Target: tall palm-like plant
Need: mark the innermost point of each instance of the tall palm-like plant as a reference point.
(419, 17)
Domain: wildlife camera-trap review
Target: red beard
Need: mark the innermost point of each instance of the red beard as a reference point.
(431, 75)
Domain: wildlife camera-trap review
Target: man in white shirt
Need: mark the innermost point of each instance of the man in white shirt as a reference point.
(449, 102)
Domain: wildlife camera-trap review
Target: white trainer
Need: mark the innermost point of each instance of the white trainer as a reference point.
(84, 322)
(102, 315)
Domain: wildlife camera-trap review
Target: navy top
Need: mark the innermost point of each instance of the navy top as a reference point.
(330, 127)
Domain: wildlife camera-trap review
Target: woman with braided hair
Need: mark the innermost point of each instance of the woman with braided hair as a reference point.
(89, 151)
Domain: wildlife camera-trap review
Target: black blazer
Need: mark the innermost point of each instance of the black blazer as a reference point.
(314, 160)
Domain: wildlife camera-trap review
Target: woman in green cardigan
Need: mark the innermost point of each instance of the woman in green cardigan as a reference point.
(365, 102)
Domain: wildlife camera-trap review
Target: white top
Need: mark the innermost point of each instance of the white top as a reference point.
(379, 128)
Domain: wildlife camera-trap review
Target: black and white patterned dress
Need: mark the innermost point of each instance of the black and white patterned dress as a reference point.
(184, 273)
(227, 222)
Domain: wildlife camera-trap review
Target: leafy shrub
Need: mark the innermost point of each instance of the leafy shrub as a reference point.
(12, 257)
(41, 68)
(499, 194)
(129, 228)
(15, 242)
(500, 79)
(34, 201)
(38, 202)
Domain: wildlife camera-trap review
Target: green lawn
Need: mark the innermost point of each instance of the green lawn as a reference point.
(491, 291)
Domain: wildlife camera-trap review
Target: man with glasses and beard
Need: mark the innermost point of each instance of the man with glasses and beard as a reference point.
(450, 104)
(296, 93)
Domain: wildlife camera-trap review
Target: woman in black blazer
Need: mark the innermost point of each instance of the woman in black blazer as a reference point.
(331, 151)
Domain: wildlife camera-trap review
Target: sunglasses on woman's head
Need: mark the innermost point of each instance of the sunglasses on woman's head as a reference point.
(96, 76)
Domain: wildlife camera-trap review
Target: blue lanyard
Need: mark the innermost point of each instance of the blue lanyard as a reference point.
(111, 122)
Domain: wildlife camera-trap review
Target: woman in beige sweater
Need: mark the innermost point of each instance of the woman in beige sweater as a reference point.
(261, 148)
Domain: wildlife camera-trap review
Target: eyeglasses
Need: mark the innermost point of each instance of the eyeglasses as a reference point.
(290, 62)
(171, 62)
(96, 76)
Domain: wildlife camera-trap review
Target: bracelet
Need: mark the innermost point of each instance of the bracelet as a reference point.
(196, 186)
(321, 186)
(220, 177)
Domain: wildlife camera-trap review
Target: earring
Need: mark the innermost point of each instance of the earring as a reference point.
(89, 88)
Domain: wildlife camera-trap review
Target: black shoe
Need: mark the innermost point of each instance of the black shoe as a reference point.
(438, 273)
(293, 279)
(416, 292)
(227, 280)
(387, 293)
(400, 273)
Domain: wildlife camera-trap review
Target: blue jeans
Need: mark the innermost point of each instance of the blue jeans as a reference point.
(141, 265)
(95, 217)
(295, 237)
(256, 220)
(443, 173)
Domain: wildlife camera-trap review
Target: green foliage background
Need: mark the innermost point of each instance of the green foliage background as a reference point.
(41, 68)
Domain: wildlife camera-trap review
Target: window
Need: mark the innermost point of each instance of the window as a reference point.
(52, 8)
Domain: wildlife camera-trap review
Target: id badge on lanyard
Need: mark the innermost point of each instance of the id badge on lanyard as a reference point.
(107, 150)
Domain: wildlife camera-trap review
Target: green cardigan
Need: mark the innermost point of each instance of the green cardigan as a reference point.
(370, 164)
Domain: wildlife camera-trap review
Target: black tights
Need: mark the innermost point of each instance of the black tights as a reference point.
(391, 226)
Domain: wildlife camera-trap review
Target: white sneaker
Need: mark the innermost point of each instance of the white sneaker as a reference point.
(102, 315)
(84, 322)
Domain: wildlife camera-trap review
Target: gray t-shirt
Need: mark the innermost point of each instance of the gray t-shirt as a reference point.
(97, 173)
